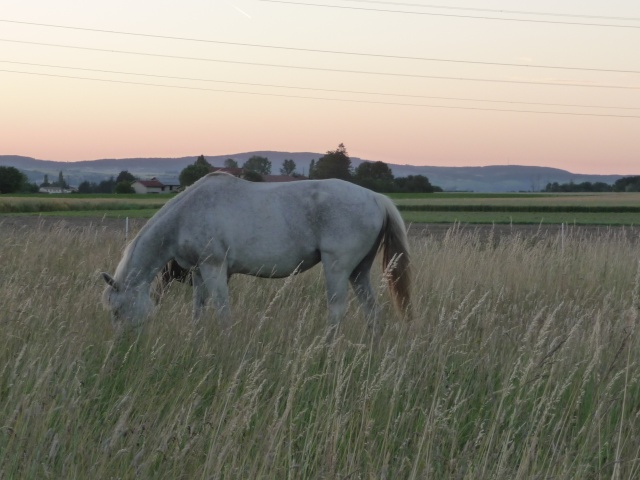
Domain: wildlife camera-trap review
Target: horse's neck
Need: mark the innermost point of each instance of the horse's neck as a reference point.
(144, 258)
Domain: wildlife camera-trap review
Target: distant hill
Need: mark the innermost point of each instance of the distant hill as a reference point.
(495, 178)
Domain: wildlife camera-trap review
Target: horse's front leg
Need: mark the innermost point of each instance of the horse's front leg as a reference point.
(337, 283)
(215, 278)
(200, 295)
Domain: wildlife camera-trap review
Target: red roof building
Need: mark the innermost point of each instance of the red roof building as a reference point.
(154, 186)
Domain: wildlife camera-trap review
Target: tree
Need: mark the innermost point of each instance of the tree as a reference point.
(376, 176)
(124, 182)
(124, 187)
(312, 169)
(12, 180)
(86, 187)
(106, 186)
(125, 176)
(578, 187)
(415, 184)
(203, 162)
(258, 164)
(194, 172)
(61, 181)
(334, 164)
(627, 184)
(288, 168)
(252, 176)
(29, 188)
(230, 163)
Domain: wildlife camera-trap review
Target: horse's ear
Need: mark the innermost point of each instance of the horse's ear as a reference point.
(110, 281)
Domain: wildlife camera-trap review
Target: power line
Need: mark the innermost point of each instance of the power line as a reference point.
(313, 50)
(324, 98)
(451, 15)
(493, 10)
(334, 70)
(292, 87)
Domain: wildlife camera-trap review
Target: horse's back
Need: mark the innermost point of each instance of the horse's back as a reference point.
(305, 202)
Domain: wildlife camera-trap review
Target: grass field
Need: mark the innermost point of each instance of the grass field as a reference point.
(111, 206)
(75, 204)
(579, 209)
(538, 208)
(521, 363)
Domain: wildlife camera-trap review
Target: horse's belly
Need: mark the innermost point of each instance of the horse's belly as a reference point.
(275, 268)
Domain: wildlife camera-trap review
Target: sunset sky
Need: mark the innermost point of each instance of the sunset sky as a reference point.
(462, 83)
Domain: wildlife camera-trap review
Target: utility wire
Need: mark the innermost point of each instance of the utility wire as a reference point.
(291, 87)
(312, 50)
(451, 15)
(334, 70)
(324, 98)
(493, 10)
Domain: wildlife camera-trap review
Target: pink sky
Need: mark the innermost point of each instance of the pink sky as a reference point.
(311, 100)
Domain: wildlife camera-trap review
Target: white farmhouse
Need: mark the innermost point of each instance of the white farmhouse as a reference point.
(56, 190)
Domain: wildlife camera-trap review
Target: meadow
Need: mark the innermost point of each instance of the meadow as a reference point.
(475, 208)
(81, 205)
(516, 208)
(521, 362)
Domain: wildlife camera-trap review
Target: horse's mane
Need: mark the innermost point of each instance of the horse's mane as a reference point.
(124, 261)
(223, 175)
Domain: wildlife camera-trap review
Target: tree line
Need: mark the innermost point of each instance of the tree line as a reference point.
(254, 169)
(376, 176)
(13, 180)
(336, 163)
(121, 184)
(624, 184)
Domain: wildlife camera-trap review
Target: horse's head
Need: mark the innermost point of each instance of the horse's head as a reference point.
(129, 305)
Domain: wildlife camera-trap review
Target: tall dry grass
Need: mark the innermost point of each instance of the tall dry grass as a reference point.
(522, 362)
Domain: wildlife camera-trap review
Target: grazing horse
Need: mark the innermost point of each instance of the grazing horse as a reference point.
(223, 225)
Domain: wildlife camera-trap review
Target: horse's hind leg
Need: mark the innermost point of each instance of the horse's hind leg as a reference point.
(360, 280)
(337, 283)
(361, 284)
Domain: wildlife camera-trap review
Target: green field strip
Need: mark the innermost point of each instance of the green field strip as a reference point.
(521, 208)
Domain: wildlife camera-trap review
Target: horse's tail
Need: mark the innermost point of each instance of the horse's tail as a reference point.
(395, 255)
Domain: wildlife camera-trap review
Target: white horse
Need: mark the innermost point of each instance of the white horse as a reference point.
(222, 225)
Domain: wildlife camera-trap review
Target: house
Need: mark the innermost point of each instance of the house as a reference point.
(56, 190)
(154, 186)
